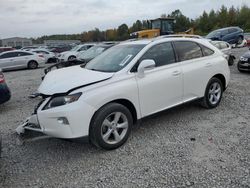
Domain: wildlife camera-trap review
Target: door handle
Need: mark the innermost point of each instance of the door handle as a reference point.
(176, 73)
(208, 64)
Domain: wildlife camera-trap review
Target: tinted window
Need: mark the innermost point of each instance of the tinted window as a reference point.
(162, 54)
(187, 50)
(232, 30)
(206, 51)
(41, 52)
(9, 55)
(24, 53)
(224, 32)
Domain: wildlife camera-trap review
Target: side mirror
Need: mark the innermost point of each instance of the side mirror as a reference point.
(146, 64)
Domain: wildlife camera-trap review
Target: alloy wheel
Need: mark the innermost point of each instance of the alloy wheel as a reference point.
(114, 128)
(214, 93)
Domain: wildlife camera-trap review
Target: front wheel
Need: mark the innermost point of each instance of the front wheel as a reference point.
(213, 93)
(111, 126)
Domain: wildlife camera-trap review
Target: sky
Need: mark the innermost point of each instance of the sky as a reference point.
(34, 18)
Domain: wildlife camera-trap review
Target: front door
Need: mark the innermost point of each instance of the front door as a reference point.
(161, 87)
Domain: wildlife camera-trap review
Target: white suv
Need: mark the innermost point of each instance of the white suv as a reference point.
(126, 83)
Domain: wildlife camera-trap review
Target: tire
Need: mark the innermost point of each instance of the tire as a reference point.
(239, 41)
(50, 60)
(32, 65)
(104, 131)
(213, 93)
(71, 58)
(231, 60)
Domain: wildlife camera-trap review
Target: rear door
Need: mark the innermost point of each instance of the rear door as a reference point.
(7, 60)
(196, 68)
(23, 59)
(161, 87)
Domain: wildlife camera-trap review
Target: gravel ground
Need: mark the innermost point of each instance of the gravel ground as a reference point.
(187, 146)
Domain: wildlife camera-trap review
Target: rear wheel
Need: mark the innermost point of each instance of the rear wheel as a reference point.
(32, 65)
(213, 93)
(111, 126)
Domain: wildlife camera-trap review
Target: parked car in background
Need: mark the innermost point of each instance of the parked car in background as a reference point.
(247, 37)
(49, 57)
(19, 59)
(126, 83)
(4, 90)
(232, 35)
(5, 49)
(226, 49)
(28, 48)
(244, 62)
(59, 49)
(71, 55)
(82, 58)
(86, 56)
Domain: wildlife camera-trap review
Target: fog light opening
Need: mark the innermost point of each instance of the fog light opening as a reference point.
(63, 120)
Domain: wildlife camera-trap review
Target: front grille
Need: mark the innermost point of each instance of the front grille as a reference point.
(38, 105)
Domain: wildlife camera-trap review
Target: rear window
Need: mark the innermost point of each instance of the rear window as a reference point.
(187, 50)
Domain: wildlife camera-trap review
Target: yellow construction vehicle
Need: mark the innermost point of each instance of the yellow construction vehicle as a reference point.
(159, 27)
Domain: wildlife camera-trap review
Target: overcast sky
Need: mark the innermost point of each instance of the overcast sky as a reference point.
(33, 18)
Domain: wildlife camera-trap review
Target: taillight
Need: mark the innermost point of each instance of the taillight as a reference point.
(1, 78)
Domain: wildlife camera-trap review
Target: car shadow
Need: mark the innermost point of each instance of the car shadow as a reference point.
(24, 69)
(72, 147)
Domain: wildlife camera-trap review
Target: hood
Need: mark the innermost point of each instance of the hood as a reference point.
(246, 55)
(66, 79)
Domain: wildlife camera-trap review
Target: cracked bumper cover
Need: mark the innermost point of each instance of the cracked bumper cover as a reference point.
(47, 121)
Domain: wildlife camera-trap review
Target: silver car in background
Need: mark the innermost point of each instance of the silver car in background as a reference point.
(226, 48)
(19, 59)
(50, 57)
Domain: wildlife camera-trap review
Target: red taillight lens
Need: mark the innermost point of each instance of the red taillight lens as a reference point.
(1, 78)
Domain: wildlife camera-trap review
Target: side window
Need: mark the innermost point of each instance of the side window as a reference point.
(9, 55)
(233, 30)
(224, 32)
(162, 54)
(83, 48)
(24, 54)
(207, 51)
(187, 50)
(89, 46)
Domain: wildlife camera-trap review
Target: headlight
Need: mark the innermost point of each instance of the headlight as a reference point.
(62, 100)
(243, 59)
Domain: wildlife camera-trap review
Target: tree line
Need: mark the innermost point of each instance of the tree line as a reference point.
(202, 25)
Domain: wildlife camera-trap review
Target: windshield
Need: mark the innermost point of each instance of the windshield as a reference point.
(114, 59)
(91, 53)
(75, 48)
(156, 24)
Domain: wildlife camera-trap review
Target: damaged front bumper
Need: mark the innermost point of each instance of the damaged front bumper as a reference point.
(31, 124)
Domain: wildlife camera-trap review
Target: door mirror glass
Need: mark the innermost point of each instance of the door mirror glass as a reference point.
(146, 64)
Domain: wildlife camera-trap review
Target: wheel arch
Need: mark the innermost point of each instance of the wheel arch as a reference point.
(222, 78)
(32, 60)
(125, 102)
